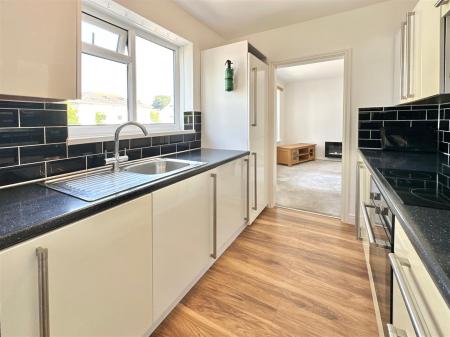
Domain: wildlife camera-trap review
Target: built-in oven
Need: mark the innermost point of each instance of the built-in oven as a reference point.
(379, 225)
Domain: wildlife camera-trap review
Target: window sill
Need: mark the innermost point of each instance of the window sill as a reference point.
(124, 135)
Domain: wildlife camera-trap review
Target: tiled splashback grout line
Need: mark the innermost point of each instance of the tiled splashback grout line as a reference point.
(33, 143)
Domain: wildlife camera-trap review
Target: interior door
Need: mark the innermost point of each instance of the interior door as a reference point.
(258, 86)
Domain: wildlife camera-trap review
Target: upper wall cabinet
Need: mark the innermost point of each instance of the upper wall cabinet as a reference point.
(39, 48)
(421, 52)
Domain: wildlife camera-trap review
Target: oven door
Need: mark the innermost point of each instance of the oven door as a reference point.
(379, 232)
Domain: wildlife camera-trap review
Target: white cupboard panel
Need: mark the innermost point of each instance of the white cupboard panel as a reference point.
(99, 272)
(231, 201)
(182, 238)
(39, 48)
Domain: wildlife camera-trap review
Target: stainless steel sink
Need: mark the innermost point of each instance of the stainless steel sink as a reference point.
(162, 166)
(99, 185)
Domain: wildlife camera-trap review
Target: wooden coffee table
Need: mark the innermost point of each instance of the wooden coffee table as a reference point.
(293, 154)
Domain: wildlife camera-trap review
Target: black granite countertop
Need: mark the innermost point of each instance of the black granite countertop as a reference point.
(32, 210)
(427, 228)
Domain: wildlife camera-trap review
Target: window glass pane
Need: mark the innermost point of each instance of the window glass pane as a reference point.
(103, 35)
(154, 83)
(104, 95)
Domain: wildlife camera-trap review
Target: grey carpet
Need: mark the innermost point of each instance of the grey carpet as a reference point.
(313, 186)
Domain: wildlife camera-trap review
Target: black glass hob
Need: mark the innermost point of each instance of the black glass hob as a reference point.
(419, 188)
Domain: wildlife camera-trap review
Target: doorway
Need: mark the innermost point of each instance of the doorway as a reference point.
(309, 119)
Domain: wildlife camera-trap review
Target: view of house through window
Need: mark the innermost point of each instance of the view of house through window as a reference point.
(111, 92)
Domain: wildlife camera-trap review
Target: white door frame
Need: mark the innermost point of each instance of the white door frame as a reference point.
(347, 119)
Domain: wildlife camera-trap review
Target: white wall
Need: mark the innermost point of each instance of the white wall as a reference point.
(369, 32)
(313, 112)
(172, 17)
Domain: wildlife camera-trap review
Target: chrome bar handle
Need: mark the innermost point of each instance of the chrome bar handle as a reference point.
(367, 223)
(417, 320)
(247, 209)
(409, 54)
(255, 97)
(394, 332)
(403, 28)
(214, 252)
(255, 207)
(44, 320)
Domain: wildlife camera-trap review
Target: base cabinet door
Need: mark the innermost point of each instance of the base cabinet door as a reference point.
(99, 277)
(182, 238)
(232, 205)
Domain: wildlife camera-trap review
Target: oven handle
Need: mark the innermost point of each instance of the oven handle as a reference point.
(417, 320)
(367, 223)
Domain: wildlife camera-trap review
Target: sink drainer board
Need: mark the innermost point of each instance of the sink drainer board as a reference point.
(92, 187)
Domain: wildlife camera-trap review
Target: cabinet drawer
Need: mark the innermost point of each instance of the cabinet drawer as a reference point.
(429, 301)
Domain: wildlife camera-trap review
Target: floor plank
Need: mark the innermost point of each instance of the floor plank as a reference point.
(290, 274)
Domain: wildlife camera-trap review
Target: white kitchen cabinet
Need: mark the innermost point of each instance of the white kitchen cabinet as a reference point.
(182, 238)
(39, 48)
(429, 303)
(258, 135)
(232, 203)
(238, 119)
(99, 277)
(421, 61)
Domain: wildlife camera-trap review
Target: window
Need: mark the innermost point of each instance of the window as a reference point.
(126, 74)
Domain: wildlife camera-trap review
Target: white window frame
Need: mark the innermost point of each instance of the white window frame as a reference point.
(102, 131)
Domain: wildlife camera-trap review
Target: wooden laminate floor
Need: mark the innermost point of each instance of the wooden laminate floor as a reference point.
(289, 274)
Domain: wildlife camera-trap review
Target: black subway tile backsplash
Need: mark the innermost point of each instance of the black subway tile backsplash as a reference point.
(65, 166)
(182, 147)
(9, 118)
(21, 105)
(384, 115)
(33, 142)
(175, 138)
(9, 156)
(43, 118)
(152, 151)
(160, 140)
(415, 114)
(123, 144)
(56, 134)
(189, 137)
(140, 142)
(38, 153)
(85, 149)
(417, 117)
(170, 148)
(21, 136)
(20, 174)
(96, 160)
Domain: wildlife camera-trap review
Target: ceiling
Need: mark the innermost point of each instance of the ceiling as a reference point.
(235, 18)
(312, 71)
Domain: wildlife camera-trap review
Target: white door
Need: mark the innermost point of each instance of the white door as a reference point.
(231, 201)
(99, 277)
(258, 115)
(182, 238)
